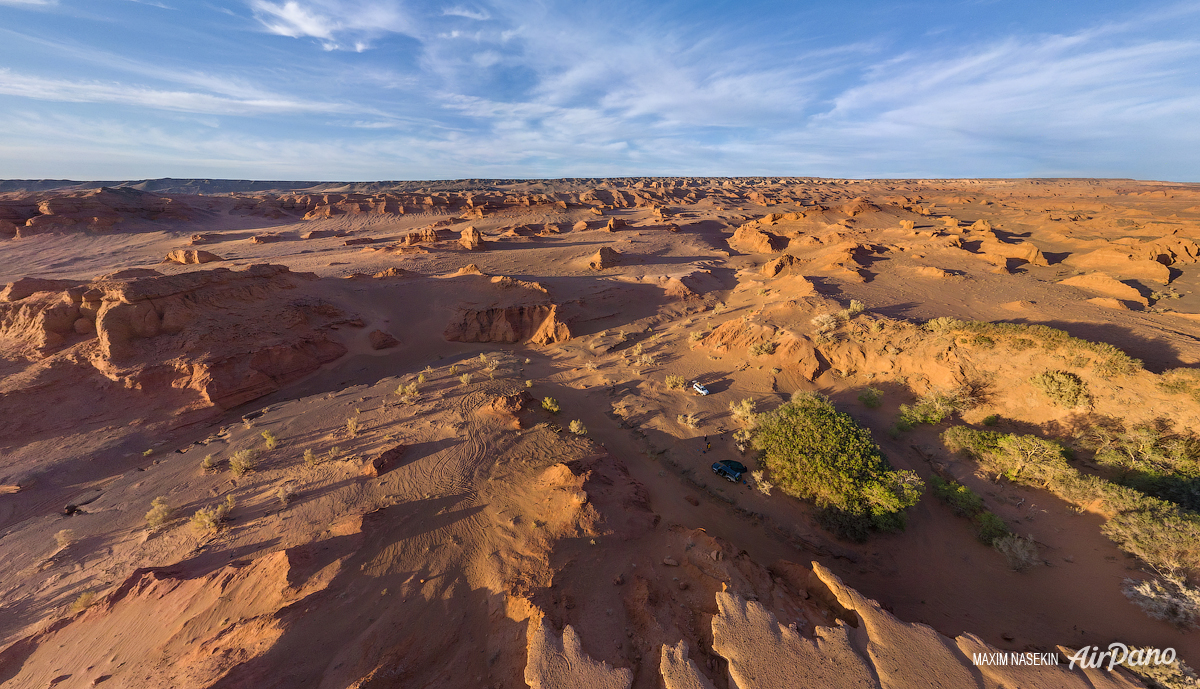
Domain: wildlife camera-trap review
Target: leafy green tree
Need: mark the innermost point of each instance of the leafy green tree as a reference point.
(817, 453)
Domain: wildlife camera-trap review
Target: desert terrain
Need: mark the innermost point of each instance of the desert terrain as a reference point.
(443, 434)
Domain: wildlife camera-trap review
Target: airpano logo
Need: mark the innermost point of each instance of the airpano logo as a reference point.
(1120, 654)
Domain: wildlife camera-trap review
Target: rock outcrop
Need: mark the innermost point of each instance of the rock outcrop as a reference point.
(604, 258)
(750, 239)
(1107, 285)
(534, 323)
(470, 238)
(201, 330)
(190, 256)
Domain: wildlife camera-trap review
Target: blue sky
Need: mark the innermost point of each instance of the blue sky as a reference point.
(400, 89)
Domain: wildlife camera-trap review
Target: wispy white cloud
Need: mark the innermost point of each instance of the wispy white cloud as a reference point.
(28, 2)
(247, 101)
(478, 15)
(336, 24)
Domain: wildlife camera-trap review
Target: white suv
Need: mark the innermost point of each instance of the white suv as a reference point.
(699, 388)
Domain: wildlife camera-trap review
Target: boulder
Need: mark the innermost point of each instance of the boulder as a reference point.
(383, 462)
(381, 340)
(579, 226)
(191, 256)
(615, 224)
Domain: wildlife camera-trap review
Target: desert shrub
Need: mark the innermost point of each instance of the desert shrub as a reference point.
(964, 501)
(465, 379)
(1150, 461)
(981, 341)
(688, 420)
(159, 514)
(637, 349)
(871, 398)
(83, 602)
(551, 405)
(409, 391)
(529, 383)
(149, 452)
(1021, 343)
(270, 440)
(334, 452)
(761, 483)
(675, 382)
(310, 458)
(285, 493)
(1181, 381)
(944, 324)
(1164, 536)
(989, 527)
(645, 359)
(1170, 600)
(208, 464)
(991, 420)
(1021, 553)
(421, 378)
(931, 408)
(763, 349)
(453, 369)
(825, 323)
(242, 461)
(64, 538)
(211, 518)
(743, 411)
(1064, 389)
(815, 452)
(696, 336)
(353, 427)
(576, 426)
(742, 438)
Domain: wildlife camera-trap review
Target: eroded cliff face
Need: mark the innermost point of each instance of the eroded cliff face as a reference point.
(535, 323)
(230, 336)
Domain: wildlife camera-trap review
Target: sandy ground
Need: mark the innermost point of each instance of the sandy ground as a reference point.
(463, 562)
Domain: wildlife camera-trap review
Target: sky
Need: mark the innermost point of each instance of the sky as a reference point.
(356, 90)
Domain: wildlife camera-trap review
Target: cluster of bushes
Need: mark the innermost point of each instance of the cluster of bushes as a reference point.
(1181, 381)
(1161, 533)
(931, 408)
(1110, 361)
(675, 382)
(1150, 461)
(814, 452)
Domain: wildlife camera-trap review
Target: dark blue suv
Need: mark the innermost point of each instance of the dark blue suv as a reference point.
(729, 469)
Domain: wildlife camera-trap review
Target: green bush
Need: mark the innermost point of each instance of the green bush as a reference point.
(964, 501)
(817, 453)
(675, 382)
(989, 527)
(931, 408)
(1064, 389)
(871, 398)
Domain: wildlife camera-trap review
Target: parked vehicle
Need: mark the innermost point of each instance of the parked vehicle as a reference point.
(699, 388)
(729, 469)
